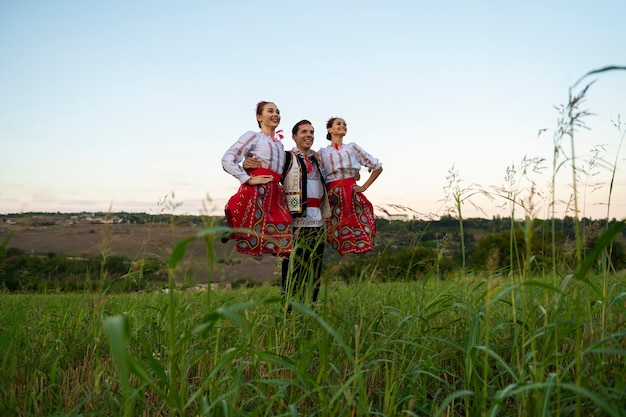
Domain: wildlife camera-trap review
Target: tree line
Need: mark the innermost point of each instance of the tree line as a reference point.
(405, 250)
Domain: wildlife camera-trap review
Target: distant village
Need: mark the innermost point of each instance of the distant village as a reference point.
(388, 212)
(51, 219)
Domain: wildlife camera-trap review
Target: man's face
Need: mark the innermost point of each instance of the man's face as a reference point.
(304, 137)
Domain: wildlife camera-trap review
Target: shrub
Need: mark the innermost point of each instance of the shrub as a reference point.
(406, 264)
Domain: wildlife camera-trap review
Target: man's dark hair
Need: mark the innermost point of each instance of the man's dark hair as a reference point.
(297, 126)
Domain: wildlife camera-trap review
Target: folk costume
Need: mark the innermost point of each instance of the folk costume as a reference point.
(351, 227)
(258, 213)
(308, 203)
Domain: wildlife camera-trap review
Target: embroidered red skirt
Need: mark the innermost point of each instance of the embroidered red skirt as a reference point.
(351, 227)
(260, 218)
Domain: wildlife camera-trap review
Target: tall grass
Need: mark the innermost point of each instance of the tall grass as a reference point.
(456, 196)
(519, 191)
(549, 344)
(572, 118)
(456, 347)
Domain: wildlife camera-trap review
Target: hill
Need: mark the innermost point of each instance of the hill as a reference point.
(140, 236)
(136, 241)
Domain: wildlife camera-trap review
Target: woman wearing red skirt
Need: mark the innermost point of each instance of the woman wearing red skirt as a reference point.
(258, 212)
(352, 226)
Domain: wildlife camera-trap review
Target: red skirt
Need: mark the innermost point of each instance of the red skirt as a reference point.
(260, 218)
(351, 227)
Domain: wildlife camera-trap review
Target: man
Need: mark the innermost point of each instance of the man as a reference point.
(307, 201)
(305, 190)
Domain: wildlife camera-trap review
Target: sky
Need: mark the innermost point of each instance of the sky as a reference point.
(130, 105)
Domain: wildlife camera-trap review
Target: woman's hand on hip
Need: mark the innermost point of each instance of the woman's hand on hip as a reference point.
(259, 179)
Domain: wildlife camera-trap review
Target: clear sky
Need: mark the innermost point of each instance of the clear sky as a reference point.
(114, 105)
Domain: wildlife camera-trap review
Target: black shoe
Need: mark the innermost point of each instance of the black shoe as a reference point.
(226, 236)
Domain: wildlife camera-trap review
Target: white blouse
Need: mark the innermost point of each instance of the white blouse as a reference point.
(269, 151)
(346, 161)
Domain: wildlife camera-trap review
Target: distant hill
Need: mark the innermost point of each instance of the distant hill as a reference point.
(54, 234)
(146, 236)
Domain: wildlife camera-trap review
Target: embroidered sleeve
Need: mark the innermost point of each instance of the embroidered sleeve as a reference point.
(364, 158)
(231, 161)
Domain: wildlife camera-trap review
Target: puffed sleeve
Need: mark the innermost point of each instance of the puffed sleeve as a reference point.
(231, 161)
(366, 159)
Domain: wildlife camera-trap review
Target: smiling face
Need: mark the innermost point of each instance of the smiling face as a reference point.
(337, 127)
(304, 137)
(268, 115)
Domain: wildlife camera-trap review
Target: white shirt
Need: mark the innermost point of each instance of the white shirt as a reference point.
(269, 151)
(346, 161)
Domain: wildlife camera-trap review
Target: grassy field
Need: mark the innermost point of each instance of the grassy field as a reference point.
(502, 342)
(139, 241)
(468, 346)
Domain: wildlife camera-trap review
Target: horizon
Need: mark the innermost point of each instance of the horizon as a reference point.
(105, 213)
(130, 107)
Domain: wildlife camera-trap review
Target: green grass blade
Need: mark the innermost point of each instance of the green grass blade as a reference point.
(603, 242)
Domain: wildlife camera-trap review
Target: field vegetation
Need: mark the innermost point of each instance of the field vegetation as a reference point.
(525, 319)
(464, 346)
